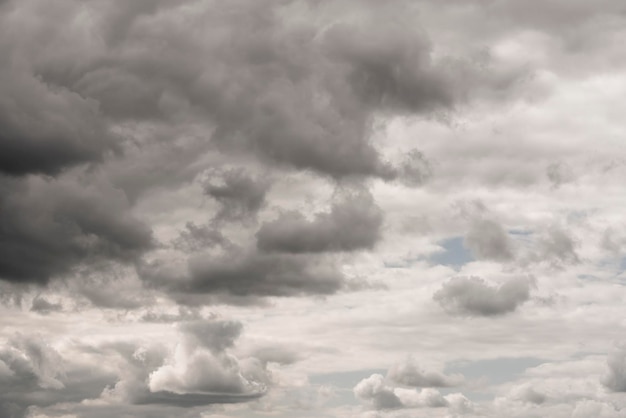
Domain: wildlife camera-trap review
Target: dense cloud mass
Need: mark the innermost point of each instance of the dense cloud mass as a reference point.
(254, 207)
(49, 226)
(354, 222)
(474, 296)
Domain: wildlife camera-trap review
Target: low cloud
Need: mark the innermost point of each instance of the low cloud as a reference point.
(474, 296)
(52, 226)
(410, 374)
(246, 276)
(353, 223)
(383, 396)
(240, 194)
(615, 379)
(487, 240)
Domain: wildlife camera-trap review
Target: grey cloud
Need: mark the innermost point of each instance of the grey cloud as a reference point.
(34, 374)
(43, 306)
(374, 389)
(214, 335)
(390, 64)
(474, 296)
(409, 374)
(199, 237)
(382, 396)
(354, 222)
(43, 128)
(559, 173)
(555, 247)
(558, 244)
(615, 379)
(246, 275)
(240, 195)
(285, 90)
(487, 240)
(50, 226)
(414, 170)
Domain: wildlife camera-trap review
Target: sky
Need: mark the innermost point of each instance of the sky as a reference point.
(304, 208)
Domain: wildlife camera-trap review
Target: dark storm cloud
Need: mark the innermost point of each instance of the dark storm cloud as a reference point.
(474, 296)
(43, 128)
(240, 195)
(49, 226)
(256, 77)
(487, 240)
(353, 223)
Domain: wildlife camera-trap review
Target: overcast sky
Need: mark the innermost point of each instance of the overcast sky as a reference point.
(304, 208)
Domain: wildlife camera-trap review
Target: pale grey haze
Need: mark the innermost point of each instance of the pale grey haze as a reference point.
(303, 208)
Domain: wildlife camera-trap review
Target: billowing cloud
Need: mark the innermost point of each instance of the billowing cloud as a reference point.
(383, 396)
(354, 222)
(50, 226)
(474, 296)
(200, 370)
(240, 195)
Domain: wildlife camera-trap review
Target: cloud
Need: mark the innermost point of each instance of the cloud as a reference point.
(409, 374)
(353, 223)
(240, 195)
(44, 306)
(474, 296)
(195, 238)
(34, 374)
(374, 389)
(383, 396)
(51, 226)
(201, 371)
(615, 379)
(487, 240)
(245, 275)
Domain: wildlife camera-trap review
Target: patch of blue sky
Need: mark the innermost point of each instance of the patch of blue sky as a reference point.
(454, 253)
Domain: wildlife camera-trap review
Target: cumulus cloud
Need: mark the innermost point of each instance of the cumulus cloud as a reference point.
(410, 374)
(383, 396)
(487, 240)
(201, 365)
(50, 226)
(474, 296)
(354, 222)
(240, 195)
(244, 276)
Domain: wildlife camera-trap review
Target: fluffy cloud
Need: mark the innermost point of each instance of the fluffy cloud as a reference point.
(474, 296)
(409, 374)
(383, 396)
